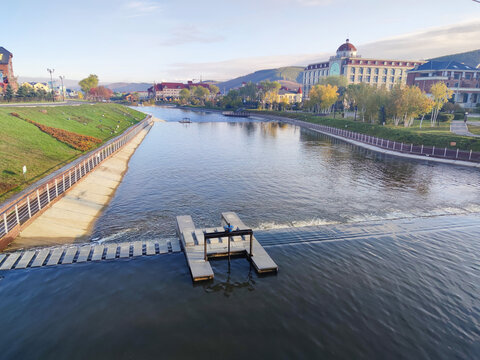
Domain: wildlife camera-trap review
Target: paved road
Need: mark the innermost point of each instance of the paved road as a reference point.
(460, 128)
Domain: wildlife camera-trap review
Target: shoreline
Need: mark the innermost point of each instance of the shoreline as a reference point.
(72, 218)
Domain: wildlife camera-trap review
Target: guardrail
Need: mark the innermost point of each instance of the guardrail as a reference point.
(427, 151)
(17, 212)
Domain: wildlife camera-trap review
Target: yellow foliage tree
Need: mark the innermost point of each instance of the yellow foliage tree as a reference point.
(441, 94)
(322, 97)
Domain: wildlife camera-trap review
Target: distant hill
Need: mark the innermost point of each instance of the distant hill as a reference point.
(128, 87)
(291, 75)
(471, 58)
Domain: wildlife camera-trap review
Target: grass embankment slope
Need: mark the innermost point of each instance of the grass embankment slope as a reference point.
(23, 143)
(438, 136)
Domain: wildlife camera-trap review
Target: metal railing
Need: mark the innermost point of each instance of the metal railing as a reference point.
(427, 151)
(18, 211)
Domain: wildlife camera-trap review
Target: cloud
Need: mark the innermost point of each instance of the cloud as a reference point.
(228, 69)
(427, 43)
(189, 34)
(424, 44)
(140, 8)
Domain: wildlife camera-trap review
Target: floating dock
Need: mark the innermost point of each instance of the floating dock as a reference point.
(201, 244)
(85, 253)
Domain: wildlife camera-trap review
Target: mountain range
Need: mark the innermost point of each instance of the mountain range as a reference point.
(289, 76)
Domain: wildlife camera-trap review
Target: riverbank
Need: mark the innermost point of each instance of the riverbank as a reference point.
(23, 143)
(71, 219)
(440, 136)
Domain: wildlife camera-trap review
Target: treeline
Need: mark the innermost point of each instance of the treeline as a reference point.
(262, 96)
(400, 105)
(26, 93)
(200, 96)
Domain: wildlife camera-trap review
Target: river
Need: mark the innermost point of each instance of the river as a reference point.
(378, 256)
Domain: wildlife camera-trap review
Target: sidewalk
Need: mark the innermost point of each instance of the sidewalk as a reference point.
(460, 128)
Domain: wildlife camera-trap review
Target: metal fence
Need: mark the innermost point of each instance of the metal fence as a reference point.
(20, 210)
(427, 151)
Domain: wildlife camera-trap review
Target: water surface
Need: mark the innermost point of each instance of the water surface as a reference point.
(359, 286)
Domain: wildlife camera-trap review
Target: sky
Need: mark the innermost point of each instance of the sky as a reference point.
(179, 40)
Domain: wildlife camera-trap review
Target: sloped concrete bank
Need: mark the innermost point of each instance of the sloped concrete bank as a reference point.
(71, 219)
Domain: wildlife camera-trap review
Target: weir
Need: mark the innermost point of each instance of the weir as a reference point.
(230, 239)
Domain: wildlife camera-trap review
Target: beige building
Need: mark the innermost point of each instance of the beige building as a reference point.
(289, 96)
(376, 72)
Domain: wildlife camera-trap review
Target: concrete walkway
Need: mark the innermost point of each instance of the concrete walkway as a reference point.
(71, 219)
(460, 128)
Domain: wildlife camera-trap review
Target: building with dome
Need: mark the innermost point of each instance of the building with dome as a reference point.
(376, 72)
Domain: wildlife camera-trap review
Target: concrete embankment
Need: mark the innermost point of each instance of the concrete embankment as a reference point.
(71, 218)
(369, 146)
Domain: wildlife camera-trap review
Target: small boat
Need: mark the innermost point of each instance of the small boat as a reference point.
(185, 120)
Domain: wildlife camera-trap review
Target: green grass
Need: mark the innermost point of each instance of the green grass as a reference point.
(474, 129)
(439, 136)
(22, 143)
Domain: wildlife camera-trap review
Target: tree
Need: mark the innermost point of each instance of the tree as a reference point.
(441, 94)
(201, 93)
(100, 93)
(214, 90)
(269, 91)
(185, 96)
(322, 97)
(88, 83)
(335, 80)
(9, 93)
(22, 92)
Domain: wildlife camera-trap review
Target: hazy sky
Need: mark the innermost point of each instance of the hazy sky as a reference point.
(158, 40)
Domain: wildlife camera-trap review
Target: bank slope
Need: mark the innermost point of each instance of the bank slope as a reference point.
(22, 143)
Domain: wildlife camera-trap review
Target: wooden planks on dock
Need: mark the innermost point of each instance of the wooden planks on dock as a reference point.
(84, 253)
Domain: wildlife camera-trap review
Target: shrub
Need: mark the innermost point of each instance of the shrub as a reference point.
(77, 141)
(458, 116)
(442, 117)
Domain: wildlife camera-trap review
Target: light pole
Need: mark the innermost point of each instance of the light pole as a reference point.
(51, 71)
(63, 91)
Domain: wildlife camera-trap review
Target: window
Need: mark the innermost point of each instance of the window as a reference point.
(369, 71)
(360, 70)
(456, 76)
(467, 76)
(360, 78)
(376, 71)
(392, 71)
(400, 72)
(352, 78)
(384, 79)
(385, 71)
(392, 79)
(353, 70)
(368, 79)
(375, 79)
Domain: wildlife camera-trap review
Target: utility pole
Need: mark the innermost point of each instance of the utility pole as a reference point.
(63, 91)
(51, 71)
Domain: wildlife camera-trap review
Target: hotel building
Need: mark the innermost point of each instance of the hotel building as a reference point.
(376, 72)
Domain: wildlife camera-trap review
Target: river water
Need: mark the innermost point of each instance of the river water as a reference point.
(378, 256)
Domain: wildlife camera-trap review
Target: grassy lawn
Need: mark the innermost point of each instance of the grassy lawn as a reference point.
(474, 129)
(439, 136)
(22, 143)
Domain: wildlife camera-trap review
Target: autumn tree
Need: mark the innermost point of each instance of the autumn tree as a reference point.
(441, 94)
(88, 83)
(214, 90)
(269, 92)
(100, 93)
(322, 97)
(185, 96)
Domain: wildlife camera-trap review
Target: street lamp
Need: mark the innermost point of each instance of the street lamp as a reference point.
(63, 91)
(51, 71)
